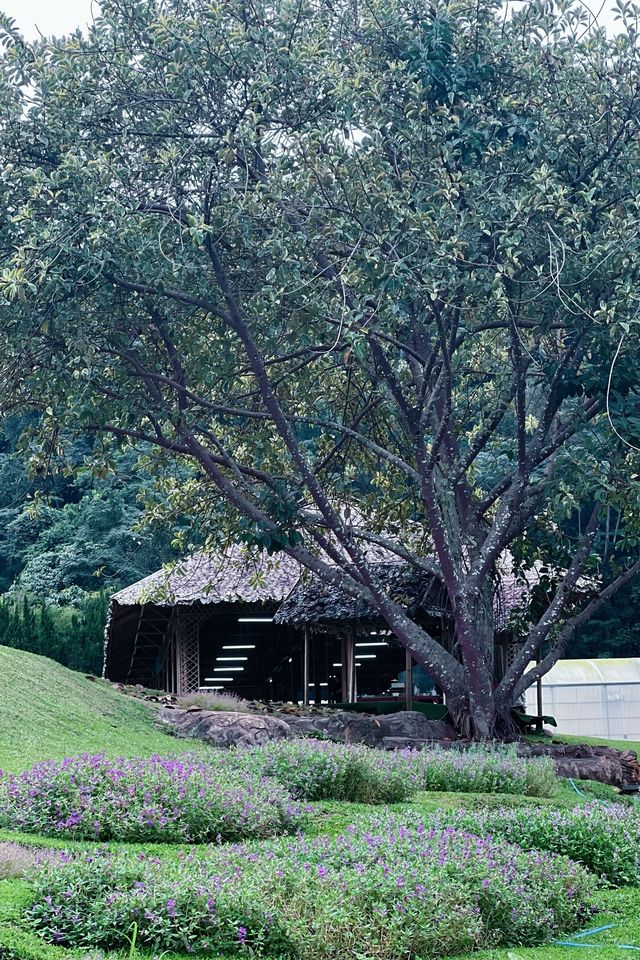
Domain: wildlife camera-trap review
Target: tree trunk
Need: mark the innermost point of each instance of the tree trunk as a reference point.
(475, 713)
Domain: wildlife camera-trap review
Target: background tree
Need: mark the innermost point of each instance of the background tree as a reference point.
(65, 528)
(74, 636)
(364, 267)
(68, 538)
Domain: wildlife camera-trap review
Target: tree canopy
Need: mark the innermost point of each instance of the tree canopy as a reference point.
(68, 538)
(69, 531)
(369, 269)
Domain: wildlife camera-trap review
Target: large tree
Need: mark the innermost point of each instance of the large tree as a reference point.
(367, 267)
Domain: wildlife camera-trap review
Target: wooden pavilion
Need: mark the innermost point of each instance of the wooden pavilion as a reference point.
(261, 627)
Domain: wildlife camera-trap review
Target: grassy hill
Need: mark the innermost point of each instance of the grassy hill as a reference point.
(48, 711)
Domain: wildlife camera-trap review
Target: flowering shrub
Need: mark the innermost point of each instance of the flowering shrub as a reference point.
(485, 770)
(383, 891)
(322, 770)
(170, 800)
(604, 837)
(226, 701)
(17, 860)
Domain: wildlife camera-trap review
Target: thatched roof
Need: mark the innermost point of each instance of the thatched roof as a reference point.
(313, 602)
(237, 575)
(244, 575)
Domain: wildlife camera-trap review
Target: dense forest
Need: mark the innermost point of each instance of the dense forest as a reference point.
(67, 541)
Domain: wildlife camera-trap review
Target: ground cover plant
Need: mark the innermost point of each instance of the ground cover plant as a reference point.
(603, 836)
(17, 860)
(395, 892)
(176, 799)
(485, 770)
(237, 794)
(217, 701)
(322, 770)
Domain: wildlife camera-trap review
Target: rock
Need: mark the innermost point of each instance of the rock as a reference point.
(341, 725)
(222, 729)
(414, 725)
(408, 727)
(585, 762)
(194, 708)
(359, 728)
(405, 743)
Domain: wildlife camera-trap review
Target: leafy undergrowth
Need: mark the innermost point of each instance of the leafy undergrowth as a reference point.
(380, 892)
(331, 818)
(166, 799)
(50, 712)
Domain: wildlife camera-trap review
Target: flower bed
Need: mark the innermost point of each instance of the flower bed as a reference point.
(156, 799)
(392, 893)
(243, 793)
(323, 770)
(605, 837)
(485, 770)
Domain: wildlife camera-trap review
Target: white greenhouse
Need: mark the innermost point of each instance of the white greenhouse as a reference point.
(595, 698)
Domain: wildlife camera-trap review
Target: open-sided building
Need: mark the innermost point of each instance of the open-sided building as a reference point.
(263, 628)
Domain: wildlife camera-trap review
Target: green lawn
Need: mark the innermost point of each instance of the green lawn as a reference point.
(597, 742)
(47, 711)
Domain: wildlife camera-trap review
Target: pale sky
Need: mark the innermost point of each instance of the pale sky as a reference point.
(57, 17)
(50, 17)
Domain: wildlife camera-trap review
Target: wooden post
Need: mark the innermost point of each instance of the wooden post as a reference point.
(305, 663)
(344, 674)
(539, 724)
(352, 680)
(408, 683)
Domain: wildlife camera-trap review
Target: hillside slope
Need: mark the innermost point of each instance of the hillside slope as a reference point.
(48, 711)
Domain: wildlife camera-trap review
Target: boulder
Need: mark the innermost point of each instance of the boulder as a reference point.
(359, 728)
(413, 725)
(389, 731)
(581, 761)
(342, 725)
(225, 729)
